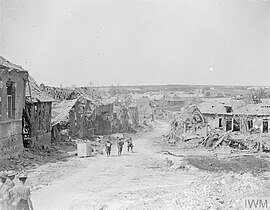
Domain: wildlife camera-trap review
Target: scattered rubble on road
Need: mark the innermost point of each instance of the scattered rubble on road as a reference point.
(31, 158)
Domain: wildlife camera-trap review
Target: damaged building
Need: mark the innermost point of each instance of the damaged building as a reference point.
(13, 80)
(188, 122)
(120, 118)
(125, 118)
(144, 108)
(102, 124)
(73, 116)
(37, 117)
(57, 93)
(237, 117)
(133, 114)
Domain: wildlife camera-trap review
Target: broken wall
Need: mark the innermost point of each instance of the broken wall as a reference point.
(104, 119)
(144, 109)
(133, 117)
(80, 119)
(102, 125)
(188, 122)
(37, 124)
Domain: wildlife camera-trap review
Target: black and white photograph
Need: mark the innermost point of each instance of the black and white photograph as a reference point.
(134, 104)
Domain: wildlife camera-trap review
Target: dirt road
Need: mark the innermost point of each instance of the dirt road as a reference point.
(138, 180)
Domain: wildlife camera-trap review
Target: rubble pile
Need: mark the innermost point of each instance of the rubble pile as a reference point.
(32, 158)
(236, 140)
(220, 139)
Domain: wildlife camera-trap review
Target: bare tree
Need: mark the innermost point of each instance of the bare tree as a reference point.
(257, 94)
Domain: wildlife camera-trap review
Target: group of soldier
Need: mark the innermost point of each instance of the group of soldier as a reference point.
(120, 144)
(14, 197)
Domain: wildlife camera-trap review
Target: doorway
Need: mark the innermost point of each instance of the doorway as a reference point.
(265, 126)
(228, 124)
(220, 122)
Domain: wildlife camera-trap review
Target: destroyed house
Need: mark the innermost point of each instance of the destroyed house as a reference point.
(176, 102)
(189, 121)
(144, 108)
(125, 118)
(37, 117)
(133, 117)
(13, 80)
(120, 118)
(172, 103)
(57, 93)
(73, 116)
(86, 92)
(102, 124)
(236, 117)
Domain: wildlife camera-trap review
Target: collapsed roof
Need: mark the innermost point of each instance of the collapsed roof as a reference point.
(7, 65)
(187, 112)
(60, 112)
(34, 94)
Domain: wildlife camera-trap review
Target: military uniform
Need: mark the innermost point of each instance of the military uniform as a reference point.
(4, 193)
(11, 185)
(120, 146)
(21, 196)
(130, 145)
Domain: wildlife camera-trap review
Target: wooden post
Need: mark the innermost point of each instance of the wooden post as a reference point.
(261, 143)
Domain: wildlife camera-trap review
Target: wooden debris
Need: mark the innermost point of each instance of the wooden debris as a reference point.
(169, 153)
(222, 139)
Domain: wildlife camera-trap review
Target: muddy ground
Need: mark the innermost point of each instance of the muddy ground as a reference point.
(144, 180)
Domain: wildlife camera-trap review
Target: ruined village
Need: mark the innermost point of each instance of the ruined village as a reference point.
(215, 139)
(134, 105)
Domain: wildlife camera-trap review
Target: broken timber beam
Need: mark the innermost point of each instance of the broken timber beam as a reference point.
(169, 153)
(222, 139)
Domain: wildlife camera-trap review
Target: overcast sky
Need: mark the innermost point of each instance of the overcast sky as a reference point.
(72, 42)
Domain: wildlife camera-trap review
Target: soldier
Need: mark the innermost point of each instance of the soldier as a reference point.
(130, 145)
(21, 195)
(11, 177)
(11, 184)
(108, 147)
(4, 191)
(120, 144)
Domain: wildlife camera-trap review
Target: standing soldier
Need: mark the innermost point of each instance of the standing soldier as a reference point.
(11, 177)
(130, 145)
(120, 144)
(21, 194)
(4, 191)
(10, 182)
(108, 147)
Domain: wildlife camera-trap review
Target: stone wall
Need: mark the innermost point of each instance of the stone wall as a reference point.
(11, 143)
